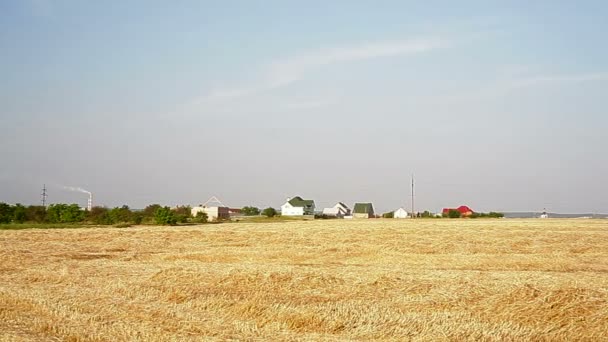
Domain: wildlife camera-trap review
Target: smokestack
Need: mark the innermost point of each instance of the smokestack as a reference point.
(90, 202)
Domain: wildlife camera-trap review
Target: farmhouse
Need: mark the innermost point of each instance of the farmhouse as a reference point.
(298, 207)
(363, 210)
(338, 210)
(463, 210)
(400, 213)
(214, 212)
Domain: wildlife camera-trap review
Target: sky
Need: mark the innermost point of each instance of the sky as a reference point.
(499, 105)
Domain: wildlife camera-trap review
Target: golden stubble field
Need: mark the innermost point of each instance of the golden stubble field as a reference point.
(318, 280)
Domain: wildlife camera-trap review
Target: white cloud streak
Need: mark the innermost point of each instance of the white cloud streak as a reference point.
(285, 72)
(503, 87)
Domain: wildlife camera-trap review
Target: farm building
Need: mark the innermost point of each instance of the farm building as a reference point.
(214, 212)
(463, 210)
(338, 210)
(400, 213)
(298, 207)
(363, 210)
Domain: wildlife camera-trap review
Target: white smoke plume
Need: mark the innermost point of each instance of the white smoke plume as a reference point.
(77, 189)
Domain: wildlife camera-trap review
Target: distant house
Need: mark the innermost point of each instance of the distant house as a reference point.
(214, 212)
(298, 207)
(463, 210)
(363, 210)
(338, 210)
(400, 213)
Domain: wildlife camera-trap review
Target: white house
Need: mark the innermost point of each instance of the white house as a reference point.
(298, 207)
(400, 213)
(338, 210)
(214, 212)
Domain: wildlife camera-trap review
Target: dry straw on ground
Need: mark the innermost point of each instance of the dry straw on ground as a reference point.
(319, 280)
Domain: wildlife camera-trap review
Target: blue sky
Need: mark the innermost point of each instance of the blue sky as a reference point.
(497, 105)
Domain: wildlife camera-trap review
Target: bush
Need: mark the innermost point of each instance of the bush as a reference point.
(6, 213)
(165, 216)
(64, 213)
(200, 217)
(250, 211)
(182, 213)
(19, 213)
(494, 214)
(390, 214)
(99, 215)
(325, 217)
(35, 213)
(269, 212)
(454, 213)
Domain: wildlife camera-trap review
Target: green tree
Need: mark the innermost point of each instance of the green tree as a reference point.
(269, 212)
(165, 216)
(35, 213)
(149, 212)
(182, 213)
(201, 217)
(494, 214)
(19, 213)
(427, 214)
(453, 213)
(65, 213)
(99, 215)
(121, 215)
(6, 213)
(250, 211)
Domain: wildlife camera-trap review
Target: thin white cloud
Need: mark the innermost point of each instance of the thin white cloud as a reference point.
(503, 87)
(559, 79)
(285, 72)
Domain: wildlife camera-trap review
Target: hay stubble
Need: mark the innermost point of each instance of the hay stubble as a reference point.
(317, 280)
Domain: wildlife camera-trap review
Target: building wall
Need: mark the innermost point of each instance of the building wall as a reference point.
(400, 213)
(335, 211)
(361, 215)
(288, 210)
(213, 213)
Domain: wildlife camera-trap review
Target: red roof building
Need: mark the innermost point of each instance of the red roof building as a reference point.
(463, 210)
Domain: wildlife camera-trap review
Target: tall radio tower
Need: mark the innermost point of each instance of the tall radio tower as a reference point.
(413, 215)
(44, 195)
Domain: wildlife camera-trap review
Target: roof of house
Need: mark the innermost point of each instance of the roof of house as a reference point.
(462, 209)
(299, 202)
(363, 208)
(343, 205)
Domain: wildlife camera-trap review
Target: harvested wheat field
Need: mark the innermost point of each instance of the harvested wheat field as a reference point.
(315, 280)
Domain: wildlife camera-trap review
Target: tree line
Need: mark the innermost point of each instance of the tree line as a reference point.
(72, 213)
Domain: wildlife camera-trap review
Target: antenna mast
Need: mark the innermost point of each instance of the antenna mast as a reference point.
(413, 215)
(44, 195)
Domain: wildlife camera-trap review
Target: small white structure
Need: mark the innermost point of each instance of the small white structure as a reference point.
(298, 207)
(400, 214)
(338, 210)
(214, 212)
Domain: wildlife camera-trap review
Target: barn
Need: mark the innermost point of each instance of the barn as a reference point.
(363, 210)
